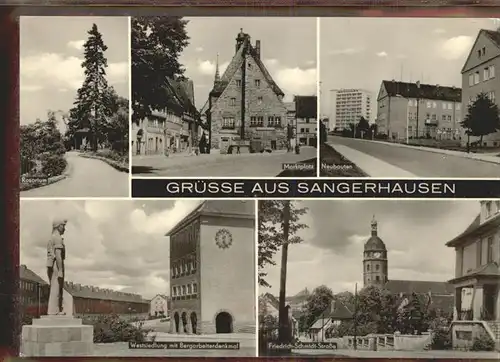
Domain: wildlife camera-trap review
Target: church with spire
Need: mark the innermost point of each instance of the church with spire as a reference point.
(440, 295)
(245, 106)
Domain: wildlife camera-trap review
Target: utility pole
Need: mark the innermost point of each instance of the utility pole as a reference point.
(356, 316)
(418, 106)
(283, 313)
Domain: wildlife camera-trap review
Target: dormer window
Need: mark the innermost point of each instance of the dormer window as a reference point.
(488, 209)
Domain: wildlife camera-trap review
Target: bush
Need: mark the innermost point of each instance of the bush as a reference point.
(483, 343)
(52, 164)
(112, 155)
(111, 329)
(441, 339)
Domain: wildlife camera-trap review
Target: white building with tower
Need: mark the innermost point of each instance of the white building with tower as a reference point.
(347, 106)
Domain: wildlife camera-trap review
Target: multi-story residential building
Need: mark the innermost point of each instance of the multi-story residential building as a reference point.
(174, 129)
(212, 262)
(348, 106)
(414, 110)
(479, 76)
(245, 106)
(477, 276)
(79, 300)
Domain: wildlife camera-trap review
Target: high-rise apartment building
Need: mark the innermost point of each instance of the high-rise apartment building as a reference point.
(348, 106)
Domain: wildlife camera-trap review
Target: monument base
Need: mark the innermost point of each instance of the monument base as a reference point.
(56, 336)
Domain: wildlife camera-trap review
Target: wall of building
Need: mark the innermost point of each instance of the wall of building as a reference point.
(185, 271)
(228, 275)
(269, 105)
(349, 105)
(475, 64)
(308, 131)
(468, 257)
(158, 305)
(493, 211)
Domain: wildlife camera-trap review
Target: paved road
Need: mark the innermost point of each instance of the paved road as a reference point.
(88, 178)
(422, 163)
(213, 165)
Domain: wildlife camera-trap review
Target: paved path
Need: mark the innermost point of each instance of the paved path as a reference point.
(418, 162)
(88, 178)
(213, 165)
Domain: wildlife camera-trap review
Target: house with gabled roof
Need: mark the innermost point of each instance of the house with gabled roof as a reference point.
(477, 278)
(173, 129)
(419, 110)
(479, 76)
(245, 105)
(329, 320)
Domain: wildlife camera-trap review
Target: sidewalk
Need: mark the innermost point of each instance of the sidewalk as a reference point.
(372, 166)
(452, 354)
(485, 157)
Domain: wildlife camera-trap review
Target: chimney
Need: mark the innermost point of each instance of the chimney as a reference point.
(257, 48)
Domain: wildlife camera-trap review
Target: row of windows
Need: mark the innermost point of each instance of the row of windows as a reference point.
(491, 95)
(255, 121)
(184, 267)
(488, 73)
(31, 286)
(232, 101)
(489, 251)
(377, 267)
(183, 290)
(433, 117)
(256, 82)
(442, 130)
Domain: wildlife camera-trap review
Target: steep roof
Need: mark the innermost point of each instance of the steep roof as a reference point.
(494, 35)
(272, 300)
(339, 311)
(476, 228)
(236, 63)
(225, 208)
(419, 287)
(29, 275)
(321, 323)
(426, 91)
(91, 292)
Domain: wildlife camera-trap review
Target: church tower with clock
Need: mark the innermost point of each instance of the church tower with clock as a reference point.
(374, 259)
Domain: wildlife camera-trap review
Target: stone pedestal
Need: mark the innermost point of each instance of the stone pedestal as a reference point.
(56, 336)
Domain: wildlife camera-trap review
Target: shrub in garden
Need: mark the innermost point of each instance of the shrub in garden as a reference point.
(483, 343)
(441, 339)
(112, 328)
(52, 164)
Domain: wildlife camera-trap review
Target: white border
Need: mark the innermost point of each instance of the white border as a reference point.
(256, 263)
(129, 39)
(318, 97)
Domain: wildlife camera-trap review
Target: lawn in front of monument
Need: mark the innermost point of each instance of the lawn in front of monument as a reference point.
(160, 334)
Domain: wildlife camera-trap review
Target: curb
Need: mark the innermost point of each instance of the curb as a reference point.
(117, 166)
(436, 150)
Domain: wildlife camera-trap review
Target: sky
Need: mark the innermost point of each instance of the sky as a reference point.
(409, 49)
(288, 49)
(414, 232)
(51, 53)
(119, 244)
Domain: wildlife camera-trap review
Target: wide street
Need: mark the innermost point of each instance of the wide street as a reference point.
(380, 159)
(247, 344)
(214, 165)
(87, 178)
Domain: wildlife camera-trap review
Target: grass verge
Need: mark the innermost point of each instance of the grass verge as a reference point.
(333, 164)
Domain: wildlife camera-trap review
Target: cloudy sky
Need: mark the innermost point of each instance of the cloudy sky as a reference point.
(288, 48)
(51, 53)
(415, 233)
(361, 52)
(110, 244)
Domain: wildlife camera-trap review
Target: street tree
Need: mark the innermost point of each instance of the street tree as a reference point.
(90, 107)
(157, 43)
(482, 118)
(412, 317)
(318, 304)
(270, 232)
(117, 127)
(362, 128)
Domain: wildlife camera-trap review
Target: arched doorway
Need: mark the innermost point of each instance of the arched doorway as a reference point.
(194, 321)
(184, 322)
(224, 323)
(176, 321)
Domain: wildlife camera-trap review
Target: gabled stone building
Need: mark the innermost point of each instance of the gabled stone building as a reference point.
(246, 105)
(479, 76)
